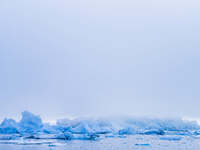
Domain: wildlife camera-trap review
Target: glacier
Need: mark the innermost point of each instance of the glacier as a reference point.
(32, 127)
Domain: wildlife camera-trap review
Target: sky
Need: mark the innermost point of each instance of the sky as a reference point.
(62, 58)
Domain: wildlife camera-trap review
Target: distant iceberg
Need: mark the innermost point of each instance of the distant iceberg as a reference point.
(9, 126)
(32, 126)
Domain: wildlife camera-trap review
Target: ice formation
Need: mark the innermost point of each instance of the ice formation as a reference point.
(30, 123)
(31, 126)
(9, 126)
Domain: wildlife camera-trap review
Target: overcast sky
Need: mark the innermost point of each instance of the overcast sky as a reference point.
(62, 58)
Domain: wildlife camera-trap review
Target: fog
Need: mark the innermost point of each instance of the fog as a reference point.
(63, 58)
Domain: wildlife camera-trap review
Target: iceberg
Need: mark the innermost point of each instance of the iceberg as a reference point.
(9, 126)
(30, 123)
(64, 136)
(155, 126)
(127, 131)
(32, 127)
(85, 126)
(51, 129)
(154, 132)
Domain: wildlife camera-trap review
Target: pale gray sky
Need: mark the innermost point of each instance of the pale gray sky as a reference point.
(100, 57)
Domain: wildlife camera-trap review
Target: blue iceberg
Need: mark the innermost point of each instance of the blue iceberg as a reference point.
(9, 126)
(32, 127)
(30, 123)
